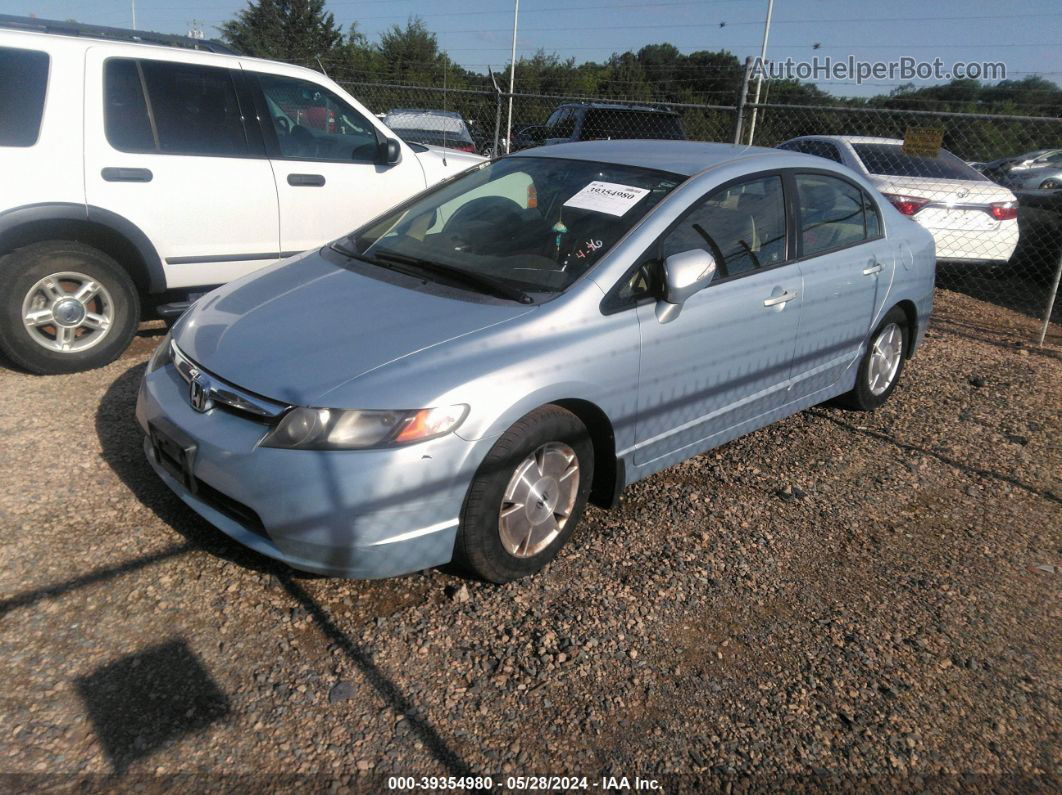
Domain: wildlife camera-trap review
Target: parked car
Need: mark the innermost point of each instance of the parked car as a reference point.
(459, 376)
(1039, 170)
(136, 175)
(972, 219)
(600, 121)
(431, 127)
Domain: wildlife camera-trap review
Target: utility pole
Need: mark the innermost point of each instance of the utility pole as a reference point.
(512, 78)
(132, 4)
(759, 76)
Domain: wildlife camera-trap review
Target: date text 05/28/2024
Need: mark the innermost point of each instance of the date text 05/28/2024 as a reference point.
(480, 783)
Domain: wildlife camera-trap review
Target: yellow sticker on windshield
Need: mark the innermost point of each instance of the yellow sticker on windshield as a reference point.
(607, 197)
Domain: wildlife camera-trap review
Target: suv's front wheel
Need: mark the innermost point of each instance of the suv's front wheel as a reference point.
(65, 307)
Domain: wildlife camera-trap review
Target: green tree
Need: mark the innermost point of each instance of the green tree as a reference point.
(298, 31)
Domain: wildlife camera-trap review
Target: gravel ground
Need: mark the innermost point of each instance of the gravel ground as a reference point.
(839, 599)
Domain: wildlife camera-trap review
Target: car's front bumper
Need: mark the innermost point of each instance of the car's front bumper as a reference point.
(358, 513)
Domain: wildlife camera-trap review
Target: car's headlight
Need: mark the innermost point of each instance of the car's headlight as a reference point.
(162, 356)
(335, 429)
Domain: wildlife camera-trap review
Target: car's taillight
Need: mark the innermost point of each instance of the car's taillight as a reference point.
(907, 205)
(1003, 211)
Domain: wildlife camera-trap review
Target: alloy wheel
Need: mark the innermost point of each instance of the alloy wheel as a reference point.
(68, 312)
(885, 354)
(539, 500)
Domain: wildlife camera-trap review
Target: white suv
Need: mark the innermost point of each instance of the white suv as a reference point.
(135, 176)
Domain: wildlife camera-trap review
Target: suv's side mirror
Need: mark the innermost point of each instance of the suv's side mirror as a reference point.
(389, 152)
(685, 274)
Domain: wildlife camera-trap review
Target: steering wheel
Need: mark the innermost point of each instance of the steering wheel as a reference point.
(283, 123)
(494, 213)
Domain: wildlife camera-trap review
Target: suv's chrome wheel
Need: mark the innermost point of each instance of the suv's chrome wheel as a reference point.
(886, 351)
(539, 500)
(68, 312)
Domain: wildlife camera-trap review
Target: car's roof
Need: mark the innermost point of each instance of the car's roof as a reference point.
(677, 157)
(618, 106)
(453, 114)
(852, 139)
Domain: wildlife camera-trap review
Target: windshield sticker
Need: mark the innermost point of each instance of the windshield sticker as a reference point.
(607, 197)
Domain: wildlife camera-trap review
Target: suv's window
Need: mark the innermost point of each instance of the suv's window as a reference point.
(832, 213)
(311, 122)
(125, 116)
(189, 109)
(561, 124)
(23, 79)
(742, 226)
(619, 123)
(823, 149)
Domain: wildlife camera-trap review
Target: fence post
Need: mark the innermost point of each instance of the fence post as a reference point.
(742, 99)
(1051, 302)
(497, 111)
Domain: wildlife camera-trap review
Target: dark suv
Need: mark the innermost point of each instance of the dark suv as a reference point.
(597, 121)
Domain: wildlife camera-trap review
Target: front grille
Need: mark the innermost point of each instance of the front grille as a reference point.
(234, 509)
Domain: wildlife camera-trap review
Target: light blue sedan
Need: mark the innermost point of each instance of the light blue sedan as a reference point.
(458, 377)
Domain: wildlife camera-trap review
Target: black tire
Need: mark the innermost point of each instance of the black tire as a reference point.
(862, 397)
(479, 547)
(25, 267)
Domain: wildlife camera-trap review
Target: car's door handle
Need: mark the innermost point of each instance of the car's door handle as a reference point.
(785, 297)
(306, 180)
(114, 174)
(872, 267)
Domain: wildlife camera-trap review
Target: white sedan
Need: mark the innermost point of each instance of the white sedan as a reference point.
(971, 218)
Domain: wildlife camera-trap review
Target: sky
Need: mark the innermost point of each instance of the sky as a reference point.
(478, 33)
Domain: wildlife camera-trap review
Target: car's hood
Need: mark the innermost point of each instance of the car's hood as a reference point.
(297, 330)
(439, 163)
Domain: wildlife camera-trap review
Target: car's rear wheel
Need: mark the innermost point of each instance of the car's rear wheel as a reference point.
(65, 307)
(882, 363)
(527, 496)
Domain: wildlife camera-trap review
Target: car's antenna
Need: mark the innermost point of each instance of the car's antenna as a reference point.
(323, 70)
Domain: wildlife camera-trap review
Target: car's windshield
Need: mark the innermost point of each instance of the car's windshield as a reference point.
(890, 160)
(529, 223)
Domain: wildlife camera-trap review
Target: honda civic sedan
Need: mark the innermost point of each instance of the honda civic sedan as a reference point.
(458, 378)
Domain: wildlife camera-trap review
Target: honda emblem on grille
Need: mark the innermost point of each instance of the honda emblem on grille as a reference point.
(199, 392)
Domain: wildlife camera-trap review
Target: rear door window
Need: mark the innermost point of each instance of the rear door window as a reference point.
(173, 108)
(23, 81)
(832, 213)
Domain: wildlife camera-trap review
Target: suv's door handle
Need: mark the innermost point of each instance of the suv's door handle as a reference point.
(306, 180)
(114, 174)
(785, 297)
(872, 267)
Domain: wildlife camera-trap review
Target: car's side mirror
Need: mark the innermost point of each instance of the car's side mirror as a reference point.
(389, 152)
(685, 274)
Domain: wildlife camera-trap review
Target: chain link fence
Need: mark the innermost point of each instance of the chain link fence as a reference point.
(992, 197)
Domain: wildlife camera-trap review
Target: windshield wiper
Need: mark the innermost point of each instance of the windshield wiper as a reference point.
(482, 283)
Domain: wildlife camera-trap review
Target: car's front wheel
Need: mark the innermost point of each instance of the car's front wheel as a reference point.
(65, 307)
(882, 363)
(527, 496)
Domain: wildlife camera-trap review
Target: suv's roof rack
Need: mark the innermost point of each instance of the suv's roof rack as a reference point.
(113, 34)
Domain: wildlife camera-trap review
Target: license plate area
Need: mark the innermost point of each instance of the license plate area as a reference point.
(174, 451)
